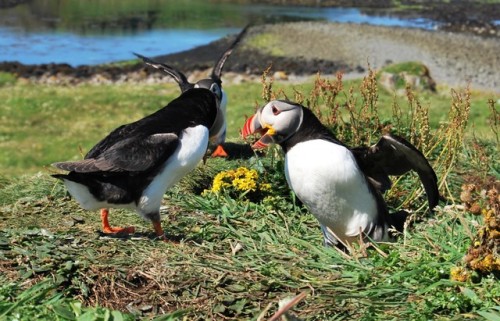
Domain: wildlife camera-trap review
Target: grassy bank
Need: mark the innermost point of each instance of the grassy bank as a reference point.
(42, 124)
(242, 252)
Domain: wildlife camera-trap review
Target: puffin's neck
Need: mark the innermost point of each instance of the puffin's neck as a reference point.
(311, 128)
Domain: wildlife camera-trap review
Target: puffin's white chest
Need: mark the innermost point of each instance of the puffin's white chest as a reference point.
(326, 178)
(192, 146)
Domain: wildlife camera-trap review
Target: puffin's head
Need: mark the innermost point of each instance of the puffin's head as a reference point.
(218, 129)
(214, 83)
(276, 122)
(215, 86)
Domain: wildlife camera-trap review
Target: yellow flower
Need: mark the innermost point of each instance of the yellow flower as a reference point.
(220, 181)
(459, 274)
(241, 180)
(265, 187)
(488, 263)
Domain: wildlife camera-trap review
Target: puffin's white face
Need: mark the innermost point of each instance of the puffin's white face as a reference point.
(276, 121)
(218, 129)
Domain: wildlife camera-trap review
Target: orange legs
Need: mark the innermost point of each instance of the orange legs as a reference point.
(106, 228)
(113, 230)
(219, 152)
(159, 230)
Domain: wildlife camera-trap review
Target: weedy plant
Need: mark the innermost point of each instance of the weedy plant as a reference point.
(353, 115)
(243, 250)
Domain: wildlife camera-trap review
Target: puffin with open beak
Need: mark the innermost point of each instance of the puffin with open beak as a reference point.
(214, 84)
(341, 186)
(136, 163)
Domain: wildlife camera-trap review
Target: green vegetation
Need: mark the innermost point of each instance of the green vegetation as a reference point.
(266, 42)
(6, 79)
(410, 67)
(42, 124)
(241, 253)
(127, 15)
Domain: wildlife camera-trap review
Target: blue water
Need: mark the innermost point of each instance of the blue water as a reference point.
(347, 15)
(51, 45)
(75, 49)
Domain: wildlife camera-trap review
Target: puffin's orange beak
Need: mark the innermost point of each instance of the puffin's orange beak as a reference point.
(252, 126)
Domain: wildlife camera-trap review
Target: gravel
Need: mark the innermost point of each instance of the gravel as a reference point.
(455, 59)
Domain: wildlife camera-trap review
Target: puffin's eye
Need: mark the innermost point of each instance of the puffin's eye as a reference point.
(275, 110)
(216, 90)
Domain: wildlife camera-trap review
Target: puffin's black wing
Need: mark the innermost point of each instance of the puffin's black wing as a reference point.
(136, 154)
(116, 135)
(393, 155)
(178, 76)
(217, 71)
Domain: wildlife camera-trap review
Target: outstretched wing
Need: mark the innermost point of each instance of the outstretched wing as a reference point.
(217, 71)
(178, 76)
(393, 155)
(129, 155)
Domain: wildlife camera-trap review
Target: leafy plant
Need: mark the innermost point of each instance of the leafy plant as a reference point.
(237, 259)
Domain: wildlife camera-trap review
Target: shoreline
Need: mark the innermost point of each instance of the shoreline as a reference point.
(304, 48)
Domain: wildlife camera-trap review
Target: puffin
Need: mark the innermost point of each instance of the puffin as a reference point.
(136, 163)
(341, 186)
(214, 83)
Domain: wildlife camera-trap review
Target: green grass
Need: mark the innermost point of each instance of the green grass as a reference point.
(42, 124)
(267, 42)
(413, 68)
(237, 258)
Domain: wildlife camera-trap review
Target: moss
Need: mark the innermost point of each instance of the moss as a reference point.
(409, 67)
(7, 78)
(266, 42)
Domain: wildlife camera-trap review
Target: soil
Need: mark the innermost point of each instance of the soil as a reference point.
(455, 58)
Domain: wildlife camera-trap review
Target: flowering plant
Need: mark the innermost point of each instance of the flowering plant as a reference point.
(240, 182)
(483, 255)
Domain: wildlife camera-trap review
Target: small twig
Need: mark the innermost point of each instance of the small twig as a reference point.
(263, 313)
(379, 251)
(288, 306)
(346, 245)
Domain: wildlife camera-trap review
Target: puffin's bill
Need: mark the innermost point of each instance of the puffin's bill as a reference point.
(263, 142)
(252, 126)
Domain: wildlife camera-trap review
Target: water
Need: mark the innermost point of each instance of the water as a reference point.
(103, 31)
(347, 15)
(74, 49)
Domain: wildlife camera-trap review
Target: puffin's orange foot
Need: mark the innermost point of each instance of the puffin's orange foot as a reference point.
(106, 228)
(118, 230)
(219, 152)
(159, 232)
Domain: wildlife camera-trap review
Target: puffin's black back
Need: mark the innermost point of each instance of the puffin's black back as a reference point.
(193, 107)
(311, 128)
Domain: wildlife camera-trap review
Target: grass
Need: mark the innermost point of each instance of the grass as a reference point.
(239, 257)
(42, 124)
(267, 41)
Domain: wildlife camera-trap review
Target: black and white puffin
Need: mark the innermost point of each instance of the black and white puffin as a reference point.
(214, 83)
(341, 186)
(136, 163)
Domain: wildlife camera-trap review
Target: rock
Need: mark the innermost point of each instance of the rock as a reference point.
(280, 75)
(396, 77)
(388, 80)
